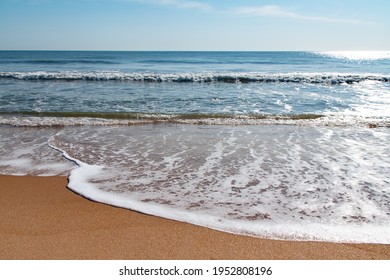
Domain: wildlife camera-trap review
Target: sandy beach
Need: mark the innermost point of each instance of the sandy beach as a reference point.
(41, 219)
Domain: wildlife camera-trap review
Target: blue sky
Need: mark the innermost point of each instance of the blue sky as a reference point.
(194, 25)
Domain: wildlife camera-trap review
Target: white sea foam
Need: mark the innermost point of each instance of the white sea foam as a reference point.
(24, 151)
(373, 98)
(201, 77)
(284, 182)
(348, 118)
(280, 182)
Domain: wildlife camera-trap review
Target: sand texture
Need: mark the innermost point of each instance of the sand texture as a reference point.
(41, 219)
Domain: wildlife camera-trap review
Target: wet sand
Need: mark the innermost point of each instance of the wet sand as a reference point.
(41, 219)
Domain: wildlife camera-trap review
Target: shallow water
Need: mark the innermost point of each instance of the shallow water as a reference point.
(294, 182)
(290, 145)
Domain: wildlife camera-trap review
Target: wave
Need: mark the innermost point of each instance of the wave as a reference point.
(229, 77)
(61, 119)
(60, 61)
(208, 62)
(276, 182)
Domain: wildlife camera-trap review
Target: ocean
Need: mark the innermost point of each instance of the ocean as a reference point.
(282, 145)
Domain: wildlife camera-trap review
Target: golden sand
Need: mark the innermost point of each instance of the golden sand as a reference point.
(41, 219)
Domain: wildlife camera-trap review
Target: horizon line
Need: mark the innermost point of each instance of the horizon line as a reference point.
(151, 50)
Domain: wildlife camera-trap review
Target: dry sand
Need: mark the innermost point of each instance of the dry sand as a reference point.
(41, 219)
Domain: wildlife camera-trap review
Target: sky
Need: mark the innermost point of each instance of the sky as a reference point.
(204, 25)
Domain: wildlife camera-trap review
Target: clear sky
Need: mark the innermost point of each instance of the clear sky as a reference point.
(195, 24)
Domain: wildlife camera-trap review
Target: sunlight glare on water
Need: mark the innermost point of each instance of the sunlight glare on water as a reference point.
(359, 55)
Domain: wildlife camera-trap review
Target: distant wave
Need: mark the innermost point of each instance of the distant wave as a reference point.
(230, 77)
(59, 61)
(208, 62)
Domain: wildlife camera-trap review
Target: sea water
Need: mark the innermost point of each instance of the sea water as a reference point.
(286, 145)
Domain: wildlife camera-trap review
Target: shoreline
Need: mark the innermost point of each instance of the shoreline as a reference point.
(42, 219)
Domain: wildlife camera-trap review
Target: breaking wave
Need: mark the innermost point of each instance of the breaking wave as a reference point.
(208, 77)
(63, 119)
